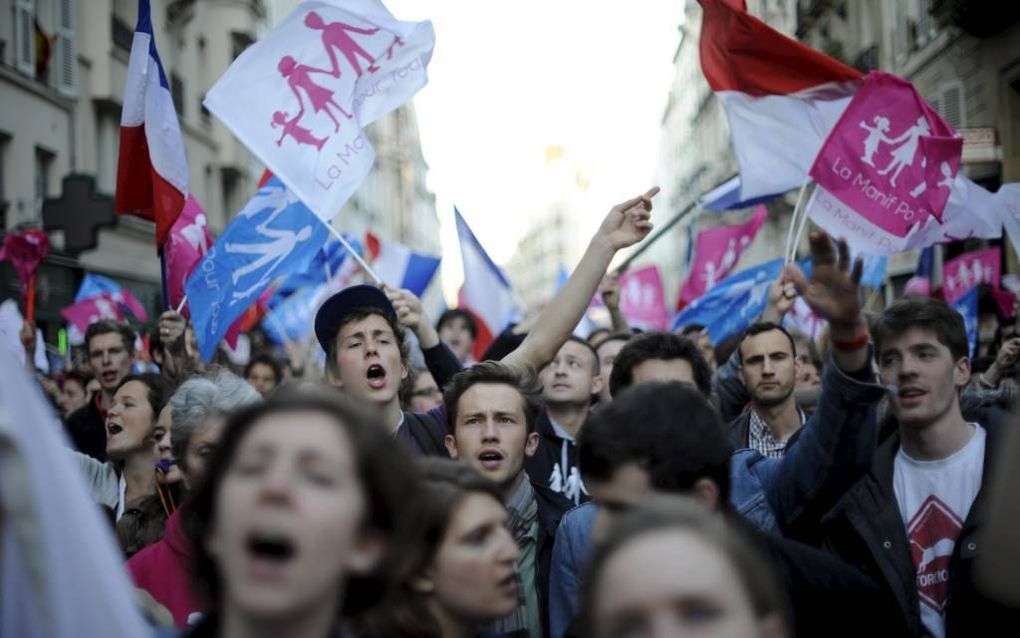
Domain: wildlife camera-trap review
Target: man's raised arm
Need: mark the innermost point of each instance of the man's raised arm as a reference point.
(626, 224)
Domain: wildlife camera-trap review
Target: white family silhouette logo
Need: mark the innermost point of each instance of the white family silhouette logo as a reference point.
(713, 272)
(280, 243)
(903, 155)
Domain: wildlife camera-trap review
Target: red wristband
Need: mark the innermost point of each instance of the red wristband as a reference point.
(850, 345)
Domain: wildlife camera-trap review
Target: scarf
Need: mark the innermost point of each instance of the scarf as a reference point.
(523, 512)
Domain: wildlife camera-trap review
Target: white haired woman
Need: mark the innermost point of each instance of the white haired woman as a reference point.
(198, 411)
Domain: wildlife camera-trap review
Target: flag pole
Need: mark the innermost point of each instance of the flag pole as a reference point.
(350, 249)
(793, 238)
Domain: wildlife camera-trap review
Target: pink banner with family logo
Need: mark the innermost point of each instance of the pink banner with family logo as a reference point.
(641, 298)
(189, 239)
(977, 267)
(87, 311)
(716, 252)
(891, 158)
(299, 97)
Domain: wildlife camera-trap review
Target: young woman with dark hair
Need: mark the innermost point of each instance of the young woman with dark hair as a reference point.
(463, 572)
(670, 568)
(300, 518)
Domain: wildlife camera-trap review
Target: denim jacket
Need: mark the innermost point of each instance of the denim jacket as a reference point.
(569, 555)
(834, 449)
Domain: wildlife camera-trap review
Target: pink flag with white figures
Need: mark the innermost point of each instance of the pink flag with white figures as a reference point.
(299, 97)
(716, 252)
(962, 273)
(92, 309)
(641, 298)
(189, 239)
(887, 167)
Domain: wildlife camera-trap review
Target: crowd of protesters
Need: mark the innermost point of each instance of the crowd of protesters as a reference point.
(625, 484)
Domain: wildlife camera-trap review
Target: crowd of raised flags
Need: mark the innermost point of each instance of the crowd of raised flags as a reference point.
(883, 190)
(869, 161)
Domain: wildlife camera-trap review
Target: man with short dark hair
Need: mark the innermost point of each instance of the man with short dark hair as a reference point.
(459, 330)
(110, 352)
(698, 333)
(667, 438)
(568, 383)
(660, 356)
(915, 521)
(790, 494)
(769, 368)
(492, 418)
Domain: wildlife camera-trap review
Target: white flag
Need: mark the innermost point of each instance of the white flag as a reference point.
(299, 97)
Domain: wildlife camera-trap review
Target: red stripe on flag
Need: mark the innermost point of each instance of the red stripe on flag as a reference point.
(134, 188)
(484, 338)
(741, 53)
(141, 191)
(372, 246)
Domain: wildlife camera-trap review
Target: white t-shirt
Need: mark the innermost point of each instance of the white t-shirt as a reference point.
(934, 498)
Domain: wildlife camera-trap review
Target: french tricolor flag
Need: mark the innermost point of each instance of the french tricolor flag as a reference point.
(152, 172)
(399, 266)
(781, 97)
(486, 293)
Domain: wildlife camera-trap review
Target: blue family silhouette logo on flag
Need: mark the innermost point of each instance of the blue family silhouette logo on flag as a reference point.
(274, 235)
(734, 303)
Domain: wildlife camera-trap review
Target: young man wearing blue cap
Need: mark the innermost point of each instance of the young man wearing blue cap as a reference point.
(367, 356)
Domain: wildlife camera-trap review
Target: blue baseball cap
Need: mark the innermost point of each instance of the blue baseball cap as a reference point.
(331, 313)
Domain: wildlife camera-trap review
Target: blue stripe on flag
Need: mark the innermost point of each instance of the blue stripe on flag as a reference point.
(420, 270)
(465, 232)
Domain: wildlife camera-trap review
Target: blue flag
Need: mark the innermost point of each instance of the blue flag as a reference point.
(93, 285)
(273, 235)
(292, 319)
(967, 306)
(325, 264)
(874, 271)
(732, 304)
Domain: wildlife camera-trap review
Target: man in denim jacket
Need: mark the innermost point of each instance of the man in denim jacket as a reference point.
(788, 495)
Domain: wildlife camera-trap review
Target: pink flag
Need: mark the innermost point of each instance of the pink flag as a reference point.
(716, 251)
(92, 309)
(891, 159)
(641, 298)
(188, 241)
(25, 251)
(802, 317)
(961, 274)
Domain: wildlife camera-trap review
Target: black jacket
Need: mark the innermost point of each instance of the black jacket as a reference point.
(866, 529)
(826, 596)
(87, 428)
(427, 431)
(544, 468)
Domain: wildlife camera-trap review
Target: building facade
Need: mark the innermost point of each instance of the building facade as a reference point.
(63, 65)
(556, 234)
